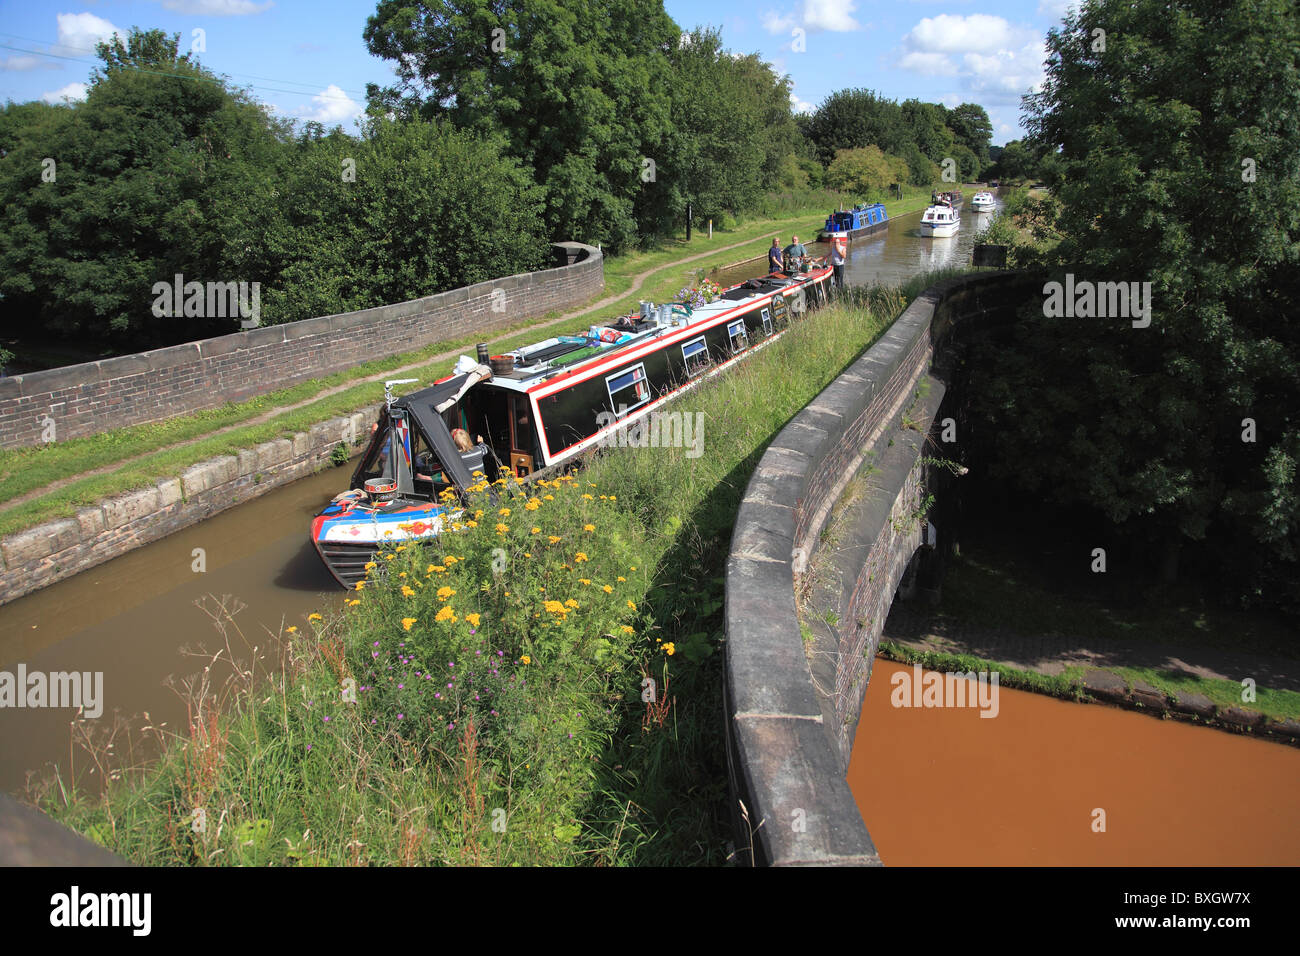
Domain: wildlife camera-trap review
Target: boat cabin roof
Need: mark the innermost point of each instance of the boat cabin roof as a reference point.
(542, 360)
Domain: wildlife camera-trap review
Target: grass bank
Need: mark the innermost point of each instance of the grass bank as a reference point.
(542, 687)
(138, 456)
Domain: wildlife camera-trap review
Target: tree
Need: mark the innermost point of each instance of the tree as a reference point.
(144, 171)
(1176, 158)
(973, 129)
(865, 171)
(580, 89)
(851, 119)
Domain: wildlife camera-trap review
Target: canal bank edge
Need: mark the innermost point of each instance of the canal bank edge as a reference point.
(56, 550)
(94, 397)
(788, 738)
(1101, 686)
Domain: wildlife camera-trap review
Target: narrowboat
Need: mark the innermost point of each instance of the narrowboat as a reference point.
(982, 202)
(536, 408)
(940, 221)
(861, 220)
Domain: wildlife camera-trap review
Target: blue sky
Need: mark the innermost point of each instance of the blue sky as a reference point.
(306, 58)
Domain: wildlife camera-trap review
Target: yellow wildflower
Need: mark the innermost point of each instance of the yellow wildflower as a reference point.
(502, 528)
(371, 565)
(292, 630)
(607, 589)
(621, 578)
(670, 649)
(407, 622)
(446, 614)
(631, 605)
(580, 557)
(628, 629)
(552, 539)
(353, 603)
(525, 660)
(584, 580)
(471, 524)
(314, 617)
(549, 497)
(555, 607)
(537, 530)
(588, 498)
(588, 527)
(445, 592)
(473, 619)
(504, 512)
(571, 603)
(361, 585)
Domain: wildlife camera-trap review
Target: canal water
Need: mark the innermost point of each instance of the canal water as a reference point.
(891, 256)
(130, 617)
(944, 786)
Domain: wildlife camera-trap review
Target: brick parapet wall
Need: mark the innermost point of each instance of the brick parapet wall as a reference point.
(81, 400)
(788, 729)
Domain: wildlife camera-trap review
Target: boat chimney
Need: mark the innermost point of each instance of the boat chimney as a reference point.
(646, 309)
(483, 357)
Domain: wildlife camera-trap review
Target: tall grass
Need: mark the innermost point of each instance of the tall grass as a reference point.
(540, 686)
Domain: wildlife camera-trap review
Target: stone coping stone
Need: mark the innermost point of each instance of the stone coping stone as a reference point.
(1240, 717)
(795, 775)
(1197, 704)
(1105, 684)
(1148, 696)
(30, 838)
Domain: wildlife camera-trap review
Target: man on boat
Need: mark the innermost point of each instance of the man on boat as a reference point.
(794, 255)
(837, 263)
(774, 262)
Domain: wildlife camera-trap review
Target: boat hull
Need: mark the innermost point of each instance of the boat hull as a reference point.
(941, 230)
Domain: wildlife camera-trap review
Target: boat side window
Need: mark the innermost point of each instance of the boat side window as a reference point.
(628, 389)
(737, 335)
(696, 354)
(767, 321)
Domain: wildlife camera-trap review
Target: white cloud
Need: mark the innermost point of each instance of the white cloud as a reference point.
(1057, 9)
(800, 106)
(777, 24)
(1007, 71)
(21, 64)
(73, 91)
(79, 32)
(332, 106)
(949, 33)
(993, 57)
(833, 16)
(217, 8)
(932, 64)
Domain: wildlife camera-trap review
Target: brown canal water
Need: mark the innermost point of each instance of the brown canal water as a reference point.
(944, 786)
(130, 617)
(891, 256)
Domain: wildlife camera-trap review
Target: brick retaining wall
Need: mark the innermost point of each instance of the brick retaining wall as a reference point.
(152, 386)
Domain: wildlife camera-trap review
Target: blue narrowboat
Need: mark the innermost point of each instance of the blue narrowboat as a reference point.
(861, 220)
